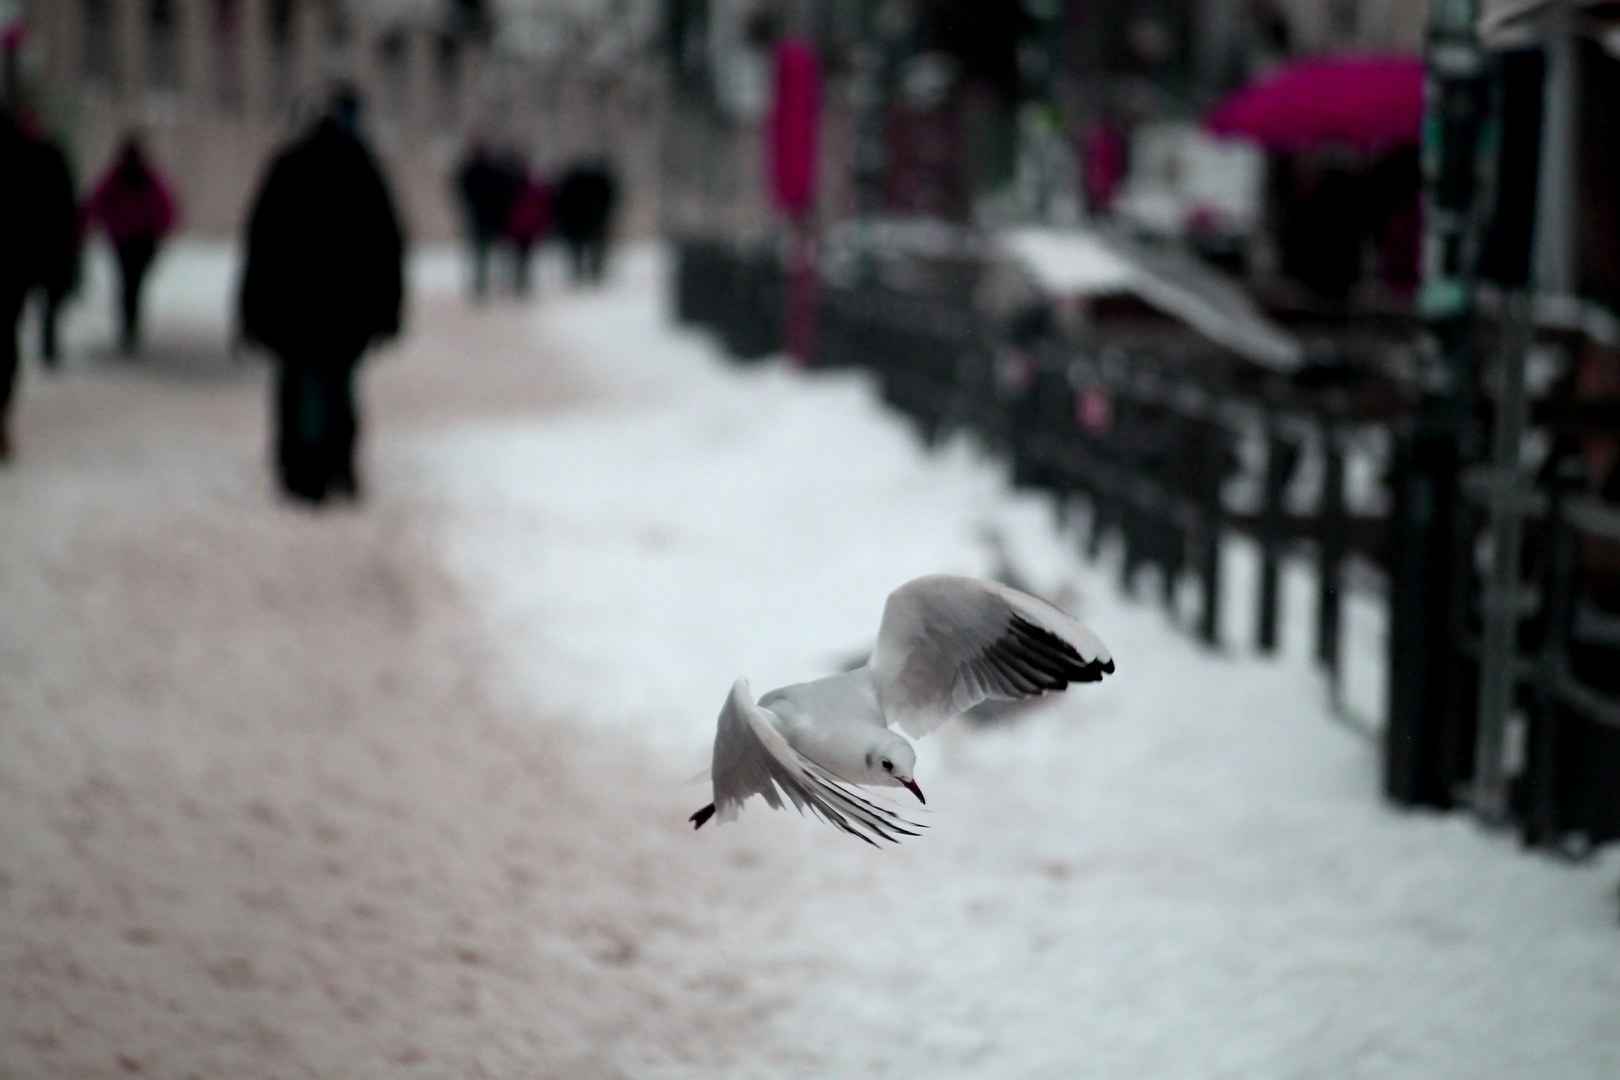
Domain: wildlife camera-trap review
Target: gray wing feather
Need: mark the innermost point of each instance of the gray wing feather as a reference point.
(752, 758)
(947, 643)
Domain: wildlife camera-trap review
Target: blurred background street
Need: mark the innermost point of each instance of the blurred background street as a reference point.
(422, 412)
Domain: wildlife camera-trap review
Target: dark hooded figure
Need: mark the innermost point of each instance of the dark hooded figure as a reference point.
(324, 279)
(59, 225)
(136, 208)
(20, 243)
(487, 186)
(34, 198)
(583, 207)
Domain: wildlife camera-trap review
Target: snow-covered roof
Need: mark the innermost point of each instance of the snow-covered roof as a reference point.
(1501, 14)
(1069, 262)
(1077, 262)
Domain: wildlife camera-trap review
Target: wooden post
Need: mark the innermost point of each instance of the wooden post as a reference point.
(1541, 823)
(1330, 549)
(1280, 459)
(799, 331)
(1209, 569)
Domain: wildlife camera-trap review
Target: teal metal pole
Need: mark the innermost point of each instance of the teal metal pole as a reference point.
(1423, 757)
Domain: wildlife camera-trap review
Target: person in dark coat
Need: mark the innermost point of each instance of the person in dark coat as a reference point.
(135, 205)
(61, 270)
(59, 224)
(583, 208)
(19, 256)
(486, 186)
(324, 279)
(32, 196)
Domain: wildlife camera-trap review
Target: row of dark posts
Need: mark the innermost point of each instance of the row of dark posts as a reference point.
(1561, 755)
(1152, 470)
(1505, 673)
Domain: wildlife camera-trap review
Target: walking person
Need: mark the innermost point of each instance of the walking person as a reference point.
(527, 223)
(135, 207)
(586, 196)
(29, 241)
(324, 280)
(58, 209)
(486, 186)
(19, 247)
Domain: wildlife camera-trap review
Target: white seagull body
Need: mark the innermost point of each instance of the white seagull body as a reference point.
(945, 644)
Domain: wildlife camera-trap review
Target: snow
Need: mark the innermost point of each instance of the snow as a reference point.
(1071, 262)
(1078, 262)
(1186, 871)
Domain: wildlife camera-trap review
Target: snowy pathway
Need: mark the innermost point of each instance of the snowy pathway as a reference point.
(1185, 872)
(402, 792)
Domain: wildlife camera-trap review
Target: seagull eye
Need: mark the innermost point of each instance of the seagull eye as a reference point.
(888, 766)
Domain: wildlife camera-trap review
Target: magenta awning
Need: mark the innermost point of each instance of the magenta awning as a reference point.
(1367, 102)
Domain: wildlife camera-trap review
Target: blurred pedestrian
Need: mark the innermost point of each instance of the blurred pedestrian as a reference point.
(32, 197)
(19, 245)
(527, 223)
(486, 186)
(135, 206)
(59, 224)
(584, 203)
(61, 278)
(324, 280)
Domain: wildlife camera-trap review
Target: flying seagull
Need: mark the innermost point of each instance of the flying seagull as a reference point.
(945, 644)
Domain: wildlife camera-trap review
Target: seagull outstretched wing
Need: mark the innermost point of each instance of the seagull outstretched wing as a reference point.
(752, 758)
(947, 643)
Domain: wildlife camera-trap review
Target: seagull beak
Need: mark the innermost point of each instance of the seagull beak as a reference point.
(911, 785)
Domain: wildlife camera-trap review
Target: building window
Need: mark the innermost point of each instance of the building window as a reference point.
(225, 41)
(100, 42)
(393, 76)
(283, 46)
(338, 42)
(163, 62)
(447, 80)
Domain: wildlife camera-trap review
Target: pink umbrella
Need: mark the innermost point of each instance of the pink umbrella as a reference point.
(1370, 102)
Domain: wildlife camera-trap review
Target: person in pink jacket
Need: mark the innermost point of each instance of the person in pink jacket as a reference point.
(134, 206)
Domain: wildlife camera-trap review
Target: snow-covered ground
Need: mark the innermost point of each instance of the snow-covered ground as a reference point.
(1184, 872)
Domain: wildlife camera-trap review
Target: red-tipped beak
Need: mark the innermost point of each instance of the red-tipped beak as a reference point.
(911, 785)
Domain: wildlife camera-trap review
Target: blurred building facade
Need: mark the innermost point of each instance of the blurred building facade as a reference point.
(216, 85)
(927, 102)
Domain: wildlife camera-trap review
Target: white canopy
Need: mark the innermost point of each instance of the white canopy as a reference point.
(1079, 262)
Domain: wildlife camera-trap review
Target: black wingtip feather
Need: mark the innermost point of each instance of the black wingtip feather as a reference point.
(1032, 654)
(700, 818)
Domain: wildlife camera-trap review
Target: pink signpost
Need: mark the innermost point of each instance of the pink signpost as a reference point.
(794, 124)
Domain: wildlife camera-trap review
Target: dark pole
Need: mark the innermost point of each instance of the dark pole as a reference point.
(1330, 548)
(1209, 568)
(1422, 667)
(1282, 455)
(1271, 524)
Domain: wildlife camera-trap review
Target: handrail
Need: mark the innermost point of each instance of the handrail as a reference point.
(1596, 706)
(1594, 518)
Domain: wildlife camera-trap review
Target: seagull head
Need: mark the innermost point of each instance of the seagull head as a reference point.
(891, 761)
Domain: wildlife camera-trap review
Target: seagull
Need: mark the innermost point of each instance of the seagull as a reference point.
(945, 644)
